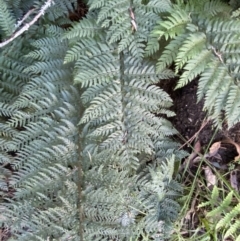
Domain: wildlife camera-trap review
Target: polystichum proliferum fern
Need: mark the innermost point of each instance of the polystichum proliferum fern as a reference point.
(203, 40)
(81, 151)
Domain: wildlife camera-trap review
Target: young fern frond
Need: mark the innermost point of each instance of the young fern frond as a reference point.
(47, 154)
(234, 229)
(226, 212)
(223, 205)
(229, 216)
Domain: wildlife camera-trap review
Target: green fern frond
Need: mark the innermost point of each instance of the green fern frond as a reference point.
(229, 216)
(96, 90)
(128, 23)
(232, 105)
(225, 213)
(121, 132)
(6, 110)
(207, 8)
(158, 6)
(233, 230)
(170, 53)
(191, 47)
(207, 47)
(7, 21)
(85, 28)
(195, 66)
(153, 45)
(224, 205)
(236, 13)
(81, 152)
(213, 200)
(174, 25)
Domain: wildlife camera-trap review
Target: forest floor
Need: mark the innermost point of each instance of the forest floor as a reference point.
(200, 137)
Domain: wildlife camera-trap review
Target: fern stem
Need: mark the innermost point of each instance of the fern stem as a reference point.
(80, 173)
(79, 185)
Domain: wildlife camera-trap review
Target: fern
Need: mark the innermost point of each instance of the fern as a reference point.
(123, 18)
(122, 134)
(227, 219)
(205, 46)
(81, 152)
(45, 148)
(224, 213)
(7, 20)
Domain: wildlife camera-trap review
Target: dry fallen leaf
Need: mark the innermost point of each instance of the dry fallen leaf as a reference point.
(210, 177)
(213, 150)
(196, 150)
(233, 180)
(189, 161)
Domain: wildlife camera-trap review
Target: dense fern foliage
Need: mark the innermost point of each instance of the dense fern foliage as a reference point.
(94, 160)
(203, 40)
(225, 214)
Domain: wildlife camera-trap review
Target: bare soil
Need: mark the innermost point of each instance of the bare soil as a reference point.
(190, 119)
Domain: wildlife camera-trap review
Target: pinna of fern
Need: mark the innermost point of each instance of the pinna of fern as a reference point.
(206, 46)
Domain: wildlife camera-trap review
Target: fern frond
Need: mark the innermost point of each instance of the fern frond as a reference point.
(233, 230)
(232, 105)
(45, 146)
(174, 25)
(207, 47)
(82, 152)
(224, 204)
(229, 216)
(190, 48)
(236, 13)
(194, 67)
(213, 200)
(86, 28)
(226, 213)
(7, 21)
(115, 16)
(158, 6)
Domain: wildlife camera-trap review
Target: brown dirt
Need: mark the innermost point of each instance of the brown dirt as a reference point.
(190, 116)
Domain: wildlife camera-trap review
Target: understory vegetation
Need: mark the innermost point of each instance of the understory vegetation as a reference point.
(88, 150)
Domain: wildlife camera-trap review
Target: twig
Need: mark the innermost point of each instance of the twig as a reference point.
(195, 135)
(27, 25)
(218, 54)
(19, 23)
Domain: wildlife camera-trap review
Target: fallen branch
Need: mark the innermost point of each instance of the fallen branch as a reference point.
(19, 23)
(27, 25)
